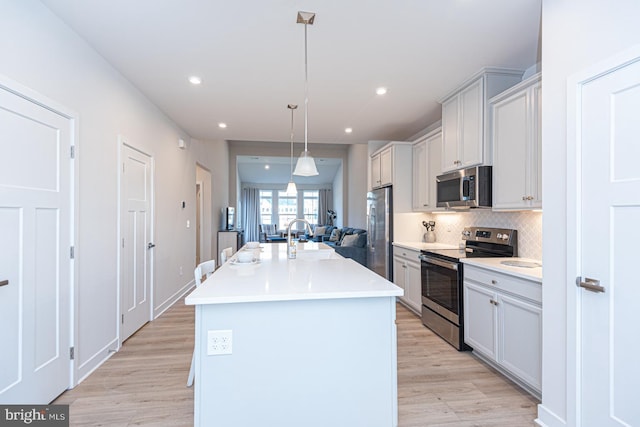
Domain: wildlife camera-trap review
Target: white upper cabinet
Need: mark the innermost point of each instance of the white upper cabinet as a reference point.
(427, 165)
(465, 118)
(382, 168)
(391, 166)
(516, 139)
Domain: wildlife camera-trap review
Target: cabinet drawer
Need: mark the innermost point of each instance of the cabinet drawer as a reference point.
(406, 254)
(513, 285)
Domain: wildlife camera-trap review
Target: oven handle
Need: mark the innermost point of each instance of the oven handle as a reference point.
(439, 262)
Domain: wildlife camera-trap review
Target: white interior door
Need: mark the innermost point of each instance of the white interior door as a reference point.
(35, 242)
(608, 136)
(137, 247)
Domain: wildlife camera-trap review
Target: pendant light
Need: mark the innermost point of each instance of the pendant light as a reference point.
(306, 166)
(291, 187)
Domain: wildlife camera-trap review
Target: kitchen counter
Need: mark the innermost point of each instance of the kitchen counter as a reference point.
(275, 278)
(303, 334)
(494, 264)
(420, 246)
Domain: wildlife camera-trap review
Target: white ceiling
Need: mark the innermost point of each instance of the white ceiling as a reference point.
(250, 55)
(252, 169)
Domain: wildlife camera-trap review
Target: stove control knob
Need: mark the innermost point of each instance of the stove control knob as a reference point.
(466, 233)
(505, 236)
(499, 236)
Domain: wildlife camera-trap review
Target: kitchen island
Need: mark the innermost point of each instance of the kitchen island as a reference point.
(312, 342)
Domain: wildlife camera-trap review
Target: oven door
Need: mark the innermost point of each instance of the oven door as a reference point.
(440, 287)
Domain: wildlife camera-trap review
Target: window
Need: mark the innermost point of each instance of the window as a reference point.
(310, 204)
(278, 208)
(287, 209)
(266, 207)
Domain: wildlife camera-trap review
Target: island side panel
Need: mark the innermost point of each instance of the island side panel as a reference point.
(309, 362)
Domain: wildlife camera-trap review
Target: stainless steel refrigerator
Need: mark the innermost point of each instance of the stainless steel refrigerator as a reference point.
(380, 232)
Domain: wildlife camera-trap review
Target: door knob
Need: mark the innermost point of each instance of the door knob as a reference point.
(4, 282)
(151, 245)
(590, 284)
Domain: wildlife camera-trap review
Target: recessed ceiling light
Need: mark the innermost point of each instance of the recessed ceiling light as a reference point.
(348, 130)
(195, 80)
(222, 125)
(381, 90)
(266, 167)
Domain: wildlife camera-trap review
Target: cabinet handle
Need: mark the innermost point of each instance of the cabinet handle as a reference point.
(524, 197)
(529, 197)
(494, 282)
(4, 283)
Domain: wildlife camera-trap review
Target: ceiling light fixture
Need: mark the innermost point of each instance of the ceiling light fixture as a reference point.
(306, 166)
(291, 187)
(381, 90)
(195, 80)
(222, 125)
(267, 167)
(348, 130)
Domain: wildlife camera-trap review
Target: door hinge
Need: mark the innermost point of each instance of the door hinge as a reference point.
(72, 252)
(73, 152)
(122, 319)
(72, 353)
(123, 242)
(123, 168)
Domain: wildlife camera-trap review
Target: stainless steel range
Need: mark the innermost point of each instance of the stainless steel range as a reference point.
(441, 271)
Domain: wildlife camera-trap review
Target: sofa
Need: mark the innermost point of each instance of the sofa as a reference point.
(347, 241)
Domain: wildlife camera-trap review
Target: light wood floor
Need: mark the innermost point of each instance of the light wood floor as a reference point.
(145, 382)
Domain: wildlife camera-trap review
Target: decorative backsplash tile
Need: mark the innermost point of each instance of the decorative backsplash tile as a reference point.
(449, 227)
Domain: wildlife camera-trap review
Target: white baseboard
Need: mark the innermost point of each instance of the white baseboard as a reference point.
(546, 418)
(165, 305)
(95, 361)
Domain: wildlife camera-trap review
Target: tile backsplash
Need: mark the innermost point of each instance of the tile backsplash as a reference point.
(449, 226)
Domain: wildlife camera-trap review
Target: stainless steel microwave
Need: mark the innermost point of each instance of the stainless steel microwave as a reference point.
(465, 188)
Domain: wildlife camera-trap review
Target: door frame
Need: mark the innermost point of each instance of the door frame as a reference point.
(574, 220)
(35, 97)
(122, 143)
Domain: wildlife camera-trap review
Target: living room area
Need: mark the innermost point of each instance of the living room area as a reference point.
(332, 202)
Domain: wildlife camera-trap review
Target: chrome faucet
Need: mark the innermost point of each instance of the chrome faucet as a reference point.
(291, 252)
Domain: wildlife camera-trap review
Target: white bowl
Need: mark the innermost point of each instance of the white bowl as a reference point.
(253, 245)
(245, 256)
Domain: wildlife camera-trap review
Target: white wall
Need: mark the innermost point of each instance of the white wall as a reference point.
(575, 34)
(43, 54)
(357, 166)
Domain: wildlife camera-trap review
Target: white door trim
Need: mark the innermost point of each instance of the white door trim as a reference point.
(574, 219)
(122, 142)
(31, 95)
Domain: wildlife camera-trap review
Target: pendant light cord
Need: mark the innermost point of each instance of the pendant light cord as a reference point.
(291, 107)
(306, 89)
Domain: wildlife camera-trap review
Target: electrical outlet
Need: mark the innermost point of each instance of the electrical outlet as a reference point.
(219, 342)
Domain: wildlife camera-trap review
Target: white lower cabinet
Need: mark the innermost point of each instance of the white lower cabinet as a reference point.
(503, 324)
(406, 274)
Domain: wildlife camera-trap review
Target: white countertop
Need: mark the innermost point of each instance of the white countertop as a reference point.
(495, 264)
(276, 278)
(419, 246)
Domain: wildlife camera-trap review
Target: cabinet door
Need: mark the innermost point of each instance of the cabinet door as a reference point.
(480, 319)
(414, 286)
(420, 195)
(399, 274)
(510, 156)
(434, 155)
(535, 155)
(520, 338)
(386, 167)
(375, 171)
(450, 134)
(471, 144)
